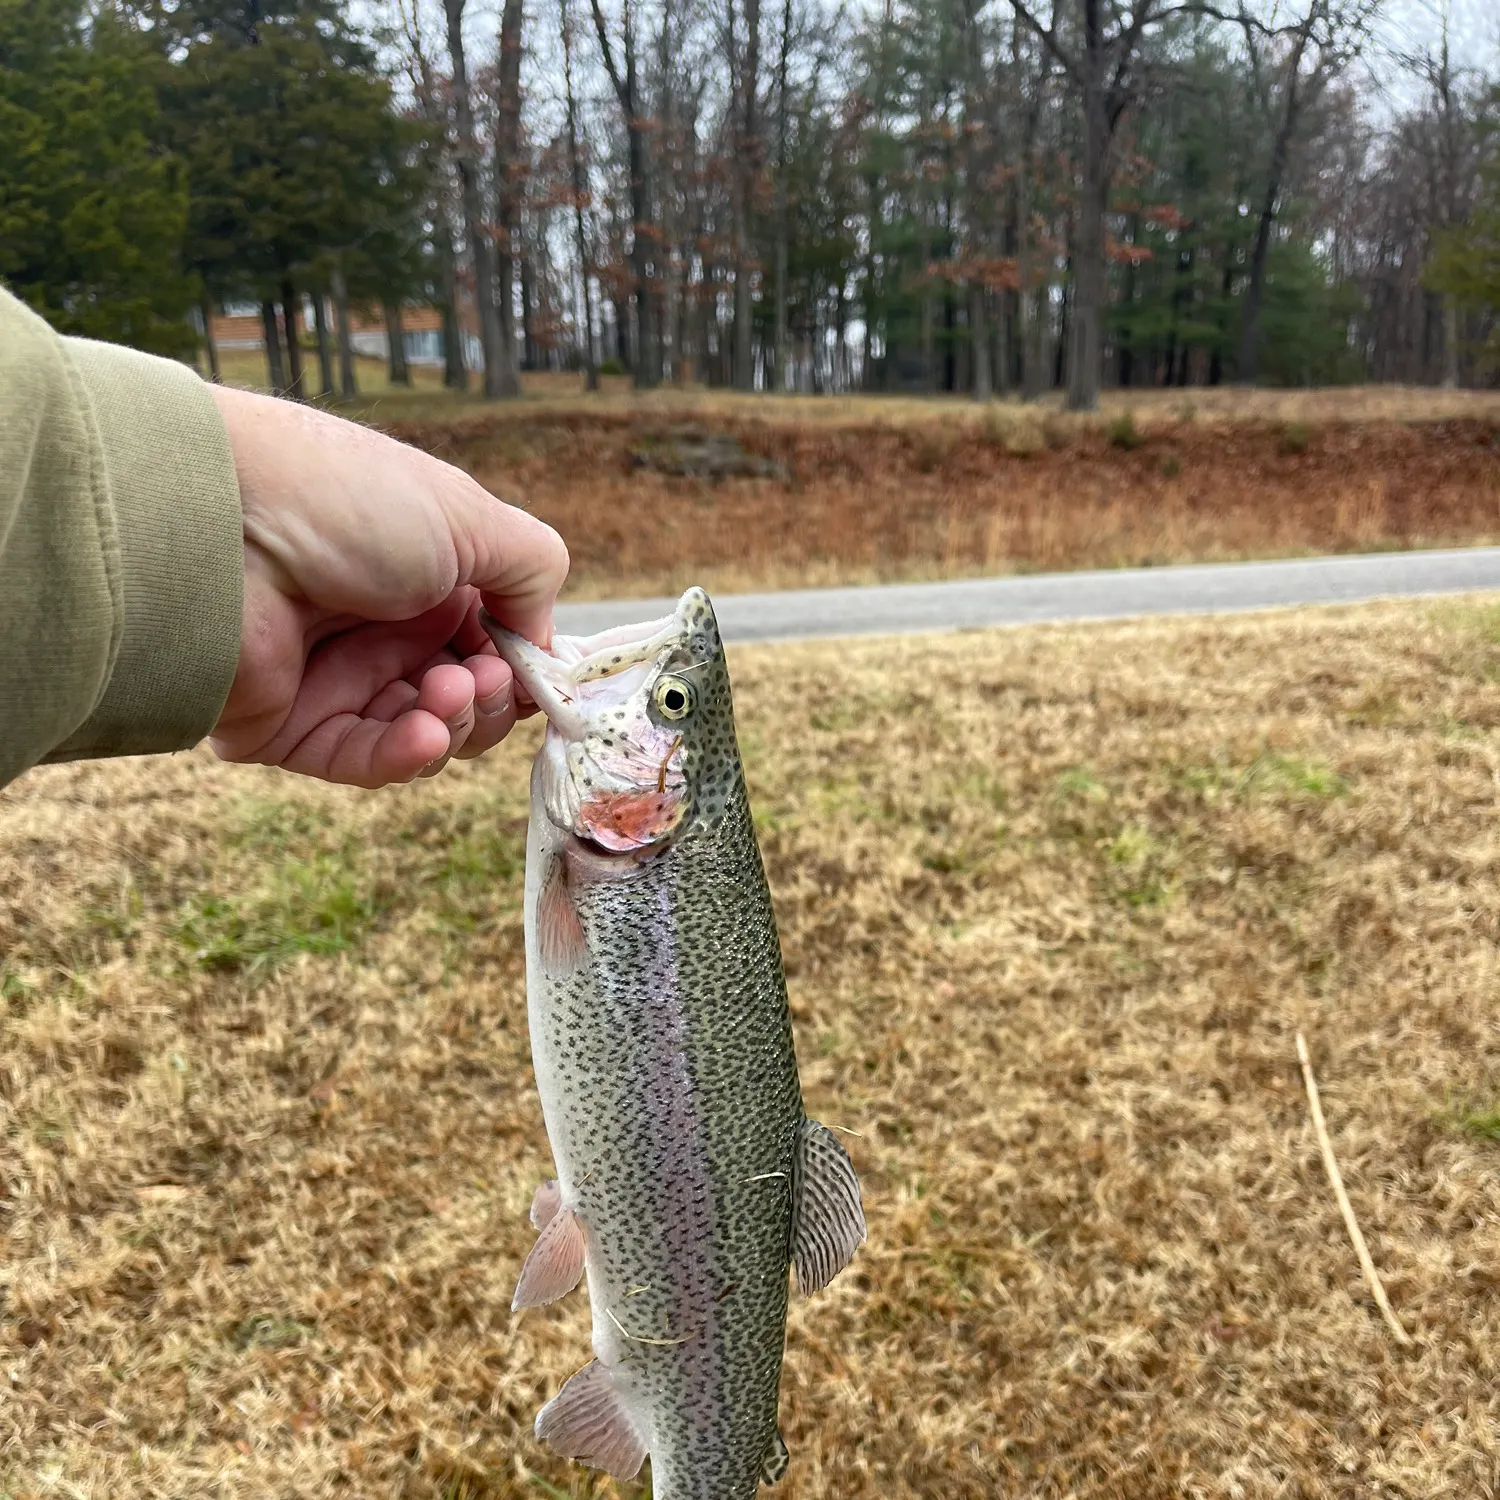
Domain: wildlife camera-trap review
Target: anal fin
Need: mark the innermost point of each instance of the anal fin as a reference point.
(828, 1220)
(545, 1203)
(774, 1464)
(589, 1420)
(555, 1264)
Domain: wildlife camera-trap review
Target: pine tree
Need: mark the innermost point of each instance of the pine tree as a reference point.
(91, 213)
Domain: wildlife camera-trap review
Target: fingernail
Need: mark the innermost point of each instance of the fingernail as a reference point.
(496, 703)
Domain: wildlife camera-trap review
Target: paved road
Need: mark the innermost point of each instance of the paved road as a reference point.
(965, 604)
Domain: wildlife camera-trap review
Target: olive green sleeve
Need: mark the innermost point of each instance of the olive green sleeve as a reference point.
(121, 556)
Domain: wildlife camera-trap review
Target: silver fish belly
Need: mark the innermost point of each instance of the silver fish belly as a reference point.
(688, 1177)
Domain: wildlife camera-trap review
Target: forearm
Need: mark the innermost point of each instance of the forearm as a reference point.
(121, 555)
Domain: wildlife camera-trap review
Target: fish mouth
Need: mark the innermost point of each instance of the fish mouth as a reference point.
(554, 679)
(608, 778)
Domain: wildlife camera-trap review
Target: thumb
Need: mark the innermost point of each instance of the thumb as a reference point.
(517, 562)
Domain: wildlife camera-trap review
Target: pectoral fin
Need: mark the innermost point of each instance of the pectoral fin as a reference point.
(589, 1420)
(555, 1264)
(828, 1221)
(560, 942)
(774, 1465)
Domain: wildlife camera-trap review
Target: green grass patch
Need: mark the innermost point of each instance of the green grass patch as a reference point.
(1290, 774)
(1482, 1122)
(321, 905)
(1139, 874)
(269, 1331)
(1270, 774)
(1079, 782)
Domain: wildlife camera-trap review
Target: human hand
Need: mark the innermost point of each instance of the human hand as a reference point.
(362, 659)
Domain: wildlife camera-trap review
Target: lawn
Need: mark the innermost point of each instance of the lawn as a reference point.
(1055, 903)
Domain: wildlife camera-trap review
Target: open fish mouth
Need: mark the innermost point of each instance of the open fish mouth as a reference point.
(611, 770)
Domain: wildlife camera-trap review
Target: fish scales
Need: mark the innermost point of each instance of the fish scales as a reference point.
(662, 1046)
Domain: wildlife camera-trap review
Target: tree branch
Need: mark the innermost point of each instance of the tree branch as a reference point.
(1048, 35)
(626, 103)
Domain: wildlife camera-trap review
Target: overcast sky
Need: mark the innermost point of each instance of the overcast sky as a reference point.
(1416, 25)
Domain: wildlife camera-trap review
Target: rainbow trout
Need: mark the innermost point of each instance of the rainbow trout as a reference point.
(688, 1176)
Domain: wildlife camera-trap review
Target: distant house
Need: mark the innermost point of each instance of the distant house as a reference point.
(238, 326)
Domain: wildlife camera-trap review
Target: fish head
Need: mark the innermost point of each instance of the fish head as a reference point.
(640, 746)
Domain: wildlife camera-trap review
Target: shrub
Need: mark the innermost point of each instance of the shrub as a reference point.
(1295, 437)
(1123, 434)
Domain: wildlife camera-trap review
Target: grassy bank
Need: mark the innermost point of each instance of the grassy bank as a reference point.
(1013, 489)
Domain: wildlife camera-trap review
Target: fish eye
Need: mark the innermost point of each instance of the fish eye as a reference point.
(673, 698)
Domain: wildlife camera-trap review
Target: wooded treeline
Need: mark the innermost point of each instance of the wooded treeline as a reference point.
(951, 195)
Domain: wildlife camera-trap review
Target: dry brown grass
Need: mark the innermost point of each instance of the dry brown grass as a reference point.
(876, 502)
(1054, 902)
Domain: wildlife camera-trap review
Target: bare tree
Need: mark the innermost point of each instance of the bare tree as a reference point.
(744, 141)
(434, 109)
(777, 380)
(580, 200)
(499, 365)
(508, 170)
(1102, 63)
(1329, 35)
(624, 76)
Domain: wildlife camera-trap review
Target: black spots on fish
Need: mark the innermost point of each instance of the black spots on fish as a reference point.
(672, 1048)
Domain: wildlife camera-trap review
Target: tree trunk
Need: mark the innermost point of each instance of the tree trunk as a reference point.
(455, 375)
(508, 176)
(627, 91)
(982, 383)
(325, 351)
(499, 377)
(1450, 344)
(348, 386)
(747, 158)
(1249, 361)
(1089, 279)
(527, 347)
(395, 342)
(210, 343)
(271, 336)
(1027, 323)
(580, 235)
(779, 338)
(293, 346)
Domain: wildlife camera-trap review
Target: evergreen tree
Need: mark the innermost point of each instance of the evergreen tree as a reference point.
(92, 213)
(1466, 265)
(296, 159)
